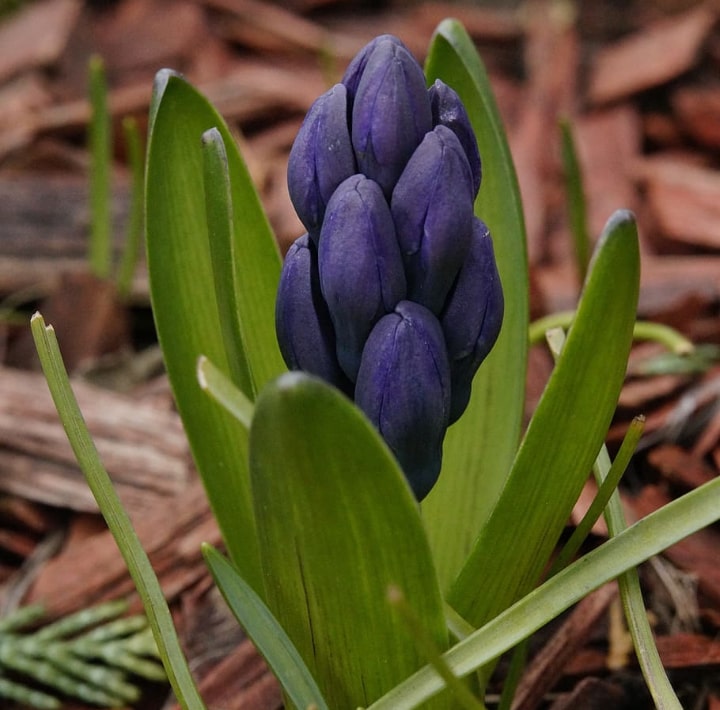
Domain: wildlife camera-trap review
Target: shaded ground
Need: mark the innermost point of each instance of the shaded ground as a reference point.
(639, 82)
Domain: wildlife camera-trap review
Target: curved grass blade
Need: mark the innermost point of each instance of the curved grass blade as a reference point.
(649, 536)
(265, 632)
(563, 438)
(480, 447)
(117, 520)
(338, 525)
(576, 204)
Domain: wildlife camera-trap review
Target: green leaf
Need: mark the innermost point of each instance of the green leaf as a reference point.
(479, 449)
(563, 438)
(638, 543)
(185, 303)
(338, 525)
(218, 213)
(115, 516)
(265, 632)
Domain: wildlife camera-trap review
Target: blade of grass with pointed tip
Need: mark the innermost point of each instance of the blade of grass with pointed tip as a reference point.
(480, 447)
(649, 536)
(338, 525)
(265, 632)
(100, 248)
(564, 435)
(184, 301)
(115, 516)
(575, 200)
(221, 388)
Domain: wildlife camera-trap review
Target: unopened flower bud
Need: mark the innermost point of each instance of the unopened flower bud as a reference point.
(432, 206)
(448, 110)
(321, 157)
(473, 316)
(390, 111)
(302, 321)
(403, 387)
(361, 270)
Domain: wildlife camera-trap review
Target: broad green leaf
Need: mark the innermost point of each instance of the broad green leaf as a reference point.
(563, 438)
(117, 519)
(184, 298)
(338, 526)
(635, 545)
(265, 632)
(479, 449)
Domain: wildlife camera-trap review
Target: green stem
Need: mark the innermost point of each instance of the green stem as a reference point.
(643, 330)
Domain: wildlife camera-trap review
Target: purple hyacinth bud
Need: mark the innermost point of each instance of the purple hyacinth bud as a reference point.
(432, 205)
(390, 111)
(448, 110)
(355, 69)
(321, 157)
(403, 387)
(473, 316)
(361, 270)
(302, 321)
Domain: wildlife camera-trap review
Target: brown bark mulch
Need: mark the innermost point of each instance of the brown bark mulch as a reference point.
(638, 82)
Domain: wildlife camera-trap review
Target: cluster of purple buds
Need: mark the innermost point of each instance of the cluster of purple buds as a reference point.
(393, 294)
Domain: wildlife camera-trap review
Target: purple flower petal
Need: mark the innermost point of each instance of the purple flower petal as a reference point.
(432, 206)
(302, 321)
(403, 386)
(321, 157)
(473, 315)
(448, 110)
(361, 271)
(390, 112)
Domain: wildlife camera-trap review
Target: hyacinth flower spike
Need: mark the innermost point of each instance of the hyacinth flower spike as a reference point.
(394, 297)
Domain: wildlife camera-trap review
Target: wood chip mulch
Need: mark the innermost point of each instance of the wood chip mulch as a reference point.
(640, 85)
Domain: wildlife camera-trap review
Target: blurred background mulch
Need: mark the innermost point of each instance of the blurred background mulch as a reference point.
(639, 82)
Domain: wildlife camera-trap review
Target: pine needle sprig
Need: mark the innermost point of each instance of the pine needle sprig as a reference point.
(91, 655)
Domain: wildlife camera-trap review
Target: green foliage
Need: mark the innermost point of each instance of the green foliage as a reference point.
(100, 247)
(316, 515)
(91, 655)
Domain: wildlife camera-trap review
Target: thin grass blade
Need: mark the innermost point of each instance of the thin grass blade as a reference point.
(266, 633)
(563, 438)
(136, 559)
(649, 536)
